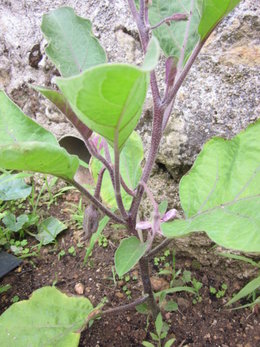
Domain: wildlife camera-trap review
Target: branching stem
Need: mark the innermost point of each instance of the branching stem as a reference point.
(97, 203)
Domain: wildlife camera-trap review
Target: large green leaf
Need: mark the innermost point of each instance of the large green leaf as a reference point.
(221, 193)
(213, 12)
(108, 99)
(171, 35)
(130, 169)
(72, 46)
(128, 254)
(25, 145)
(49, 318)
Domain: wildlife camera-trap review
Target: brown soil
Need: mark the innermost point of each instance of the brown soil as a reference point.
(207, 323)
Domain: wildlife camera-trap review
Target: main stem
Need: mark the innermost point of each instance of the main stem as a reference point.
(145, 275)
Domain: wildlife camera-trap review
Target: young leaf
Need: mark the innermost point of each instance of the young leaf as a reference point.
(213, 12)
(163, 207)
(49, 229)
(147, 344)
(13, 187)
(128, 254)
(170, 342)
(130, 169)
(221, 193)
(171, 35)
(14, 224)
(159, 324)
(152, 55)
(246, 290)
(171, 306)
(72, 46)
(108, 99)
(94, 238)
(48, 318)
(25, 145)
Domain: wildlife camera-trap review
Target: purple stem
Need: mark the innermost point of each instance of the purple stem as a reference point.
(175, 17)
(99, 183)
(96, 202)
(94, 153)
(156, 216)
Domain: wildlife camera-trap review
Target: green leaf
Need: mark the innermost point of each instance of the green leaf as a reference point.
(14, 224)
(72, 46)
(128, 254)
(241, 258)
(171, 306)
(147, 344)
(131, 157)
(152, 55)
(221, 193)
(49, 318)
(108, 99)
(176, 290)
(25, 145)
(49, 229)
(163, 207)
(246, 290)
(171, 36)
(12, 187)
(94, 238)
(170, 342)
(159, 324)
(213, 12)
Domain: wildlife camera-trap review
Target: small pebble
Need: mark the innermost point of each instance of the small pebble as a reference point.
(79, 288)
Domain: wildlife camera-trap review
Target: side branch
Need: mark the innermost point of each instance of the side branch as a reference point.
(96, 202)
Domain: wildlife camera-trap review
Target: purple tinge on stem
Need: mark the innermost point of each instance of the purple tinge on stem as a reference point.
(170, 71)
(144, 225)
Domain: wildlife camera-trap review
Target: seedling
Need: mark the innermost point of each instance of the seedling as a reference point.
(161, 331)
(104, 102)
(103, 241)
(72, 251)
(61, 254)
(219, 293)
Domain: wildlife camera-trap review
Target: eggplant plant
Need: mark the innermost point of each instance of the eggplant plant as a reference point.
(104, 102)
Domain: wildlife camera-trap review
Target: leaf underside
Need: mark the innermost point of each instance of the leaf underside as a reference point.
(108, 99)
(221, 193)
(72, 46)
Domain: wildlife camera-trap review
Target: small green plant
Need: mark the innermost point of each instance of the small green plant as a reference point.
(61, 254)
(72, 251)
(220, 292)
(103, 241)
(251, 290)
(161, 331)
